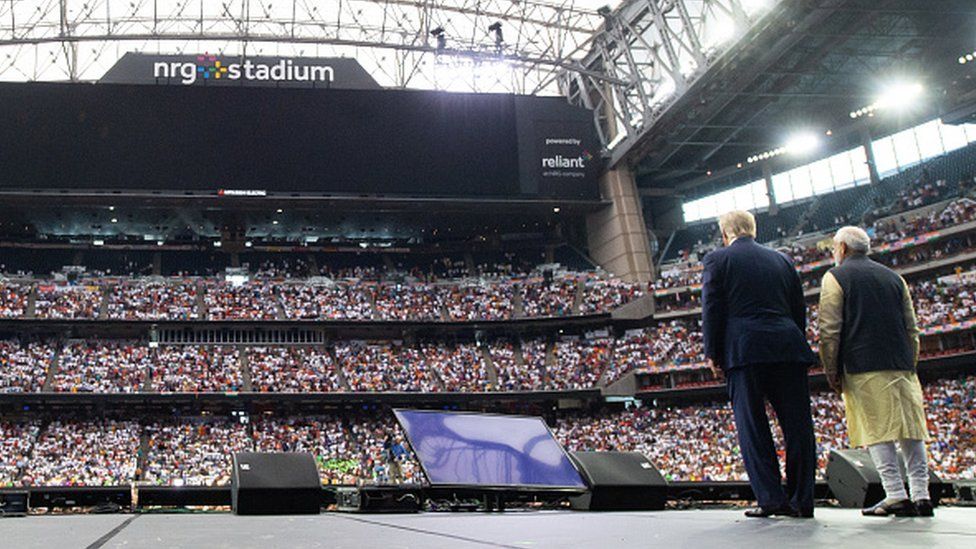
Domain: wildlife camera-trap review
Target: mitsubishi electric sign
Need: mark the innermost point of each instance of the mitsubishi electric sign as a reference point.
(220, 70)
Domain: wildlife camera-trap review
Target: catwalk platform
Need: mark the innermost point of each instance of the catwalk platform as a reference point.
(952, 527)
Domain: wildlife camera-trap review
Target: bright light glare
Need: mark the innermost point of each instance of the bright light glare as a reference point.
(753, 6)
(718, 31)
(802, 143)
(900, 96)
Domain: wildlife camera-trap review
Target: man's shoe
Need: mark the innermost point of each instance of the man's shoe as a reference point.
(765, 512)
(925, 508)
(804, 513)
(903, 508)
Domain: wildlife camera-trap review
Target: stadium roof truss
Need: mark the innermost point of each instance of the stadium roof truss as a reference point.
(803, 66)
(624, 63)
(395, 40)
(649, 53)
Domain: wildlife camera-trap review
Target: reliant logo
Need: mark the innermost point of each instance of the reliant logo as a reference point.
(208, 66)
(560, 161)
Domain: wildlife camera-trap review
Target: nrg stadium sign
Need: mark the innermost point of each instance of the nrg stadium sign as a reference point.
(208, 66)
(219, 70)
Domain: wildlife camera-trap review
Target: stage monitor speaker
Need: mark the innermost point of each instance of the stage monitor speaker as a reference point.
(275, 484)
(14, 503)
(855, 483)
(619, 481)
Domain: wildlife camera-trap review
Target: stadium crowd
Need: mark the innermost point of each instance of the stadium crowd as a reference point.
(67, 301)
(24, 367)
(82, 453)
(476, 301)
(292, 370)
(887, 235)
(383, 367)
(319, 302)
(606, 294)
(249, 301)
(688, 443)
(150, 300)
(409, 302)
(103, 367)
(13, 300)
(578, 364)
(197, 369)
(460, 367)
(193, 453)
(698, 443)
(549, 297)
(513, 376)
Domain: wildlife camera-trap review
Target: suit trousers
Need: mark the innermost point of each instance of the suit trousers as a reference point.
(786, 388)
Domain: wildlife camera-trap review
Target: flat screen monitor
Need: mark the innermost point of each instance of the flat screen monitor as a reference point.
(488, 451)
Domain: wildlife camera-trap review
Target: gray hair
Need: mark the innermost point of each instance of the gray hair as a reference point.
(855, 238)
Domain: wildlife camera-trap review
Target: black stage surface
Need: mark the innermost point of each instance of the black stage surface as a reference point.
(952, 527)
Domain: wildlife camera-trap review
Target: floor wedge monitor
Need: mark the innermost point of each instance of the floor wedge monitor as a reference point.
(619, 481)
(275, 484)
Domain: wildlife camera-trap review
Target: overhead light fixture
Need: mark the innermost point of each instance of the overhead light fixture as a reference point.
(897, 97)
(496, 28)
(798, 144)
(802, 143)
(438, 34)
(555, 209)
(968, 58)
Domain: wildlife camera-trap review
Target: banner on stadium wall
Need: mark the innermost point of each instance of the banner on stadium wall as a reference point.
(233, 70)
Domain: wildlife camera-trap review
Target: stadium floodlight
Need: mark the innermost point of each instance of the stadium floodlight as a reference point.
(438, 33)
(802, 143)
(496, 28)
(897, 97)
(797, 144)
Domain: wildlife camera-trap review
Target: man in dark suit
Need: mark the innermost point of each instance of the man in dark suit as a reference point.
(754, 329)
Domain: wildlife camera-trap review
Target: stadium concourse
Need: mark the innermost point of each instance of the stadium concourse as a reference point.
(357, 233)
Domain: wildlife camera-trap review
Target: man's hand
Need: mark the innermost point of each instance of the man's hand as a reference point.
(716, 369)
(834, 380)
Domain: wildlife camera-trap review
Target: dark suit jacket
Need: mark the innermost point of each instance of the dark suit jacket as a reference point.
(752, 307)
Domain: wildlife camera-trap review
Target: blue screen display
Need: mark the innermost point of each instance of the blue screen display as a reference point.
(488, 450)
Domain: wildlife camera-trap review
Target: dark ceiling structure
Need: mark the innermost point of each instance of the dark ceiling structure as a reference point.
(805, 66)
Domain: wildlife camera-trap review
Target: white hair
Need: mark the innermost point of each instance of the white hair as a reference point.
(737, 223)
(855, 238)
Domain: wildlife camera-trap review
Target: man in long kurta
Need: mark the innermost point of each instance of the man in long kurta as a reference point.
(869, 350)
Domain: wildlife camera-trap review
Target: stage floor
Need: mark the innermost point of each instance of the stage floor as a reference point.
(952, 527)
